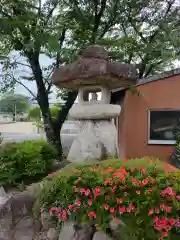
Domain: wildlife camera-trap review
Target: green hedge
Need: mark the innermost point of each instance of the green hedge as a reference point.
(28, 160)
(140, 193)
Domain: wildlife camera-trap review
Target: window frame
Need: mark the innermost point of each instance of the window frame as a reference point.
(159, 142)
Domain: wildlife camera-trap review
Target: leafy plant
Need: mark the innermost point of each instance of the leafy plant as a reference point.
(143, 198)
(29, 160)
(138, 32)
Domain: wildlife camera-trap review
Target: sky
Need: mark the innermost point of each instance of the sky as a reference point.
(44, 61)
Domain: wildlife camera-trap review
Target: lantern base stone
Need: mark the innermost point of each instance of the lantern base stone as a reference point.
(97, 140)
(94, 111)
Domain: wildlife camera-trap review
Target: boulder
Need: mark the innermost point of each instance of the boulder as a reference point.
(101, 236)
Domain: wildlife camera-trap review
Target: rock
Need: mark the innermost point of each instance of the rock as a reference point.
(3, 196)
(34, 189)
(70, 232)
(4, 235)
(41, 236)
(97, 140)
(2, 192)
(5, 220)
(37, 225)
(85, 232)
(25, 223)
(67, 231)
(101, 236)
(114, 225)
(45, 221)
(52, 234)
(24, 229)
(22, 204)
(119, 230)
(24, 234)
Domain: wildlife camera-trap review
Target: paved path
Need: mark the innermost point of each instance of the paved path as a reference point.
(19, 137)
(19, 127)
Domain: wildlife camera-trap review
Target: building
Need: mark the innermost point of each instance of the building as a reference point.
(6, 117)
(9, 117)
(148, 117)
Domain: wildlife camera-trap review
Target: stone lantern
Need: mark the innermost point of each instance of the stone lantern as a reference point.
(90, 74)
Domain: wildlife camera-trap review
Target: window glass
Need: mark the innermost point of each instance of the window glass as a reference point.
(162, 124)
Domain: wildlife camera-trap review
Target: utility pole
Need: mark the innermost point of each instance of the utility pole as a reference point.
(15, 111)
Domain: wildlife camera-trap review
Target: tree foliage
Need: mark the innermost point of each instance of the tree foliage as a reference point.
(132, 31)
(34, 113)
(14, 103)
(54, 111)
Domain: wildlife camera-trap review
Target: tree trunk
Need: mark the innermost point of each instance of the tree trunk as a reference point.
(52, 133)
(53, 136)
(62, 116)
(63, 112)
(52, 128)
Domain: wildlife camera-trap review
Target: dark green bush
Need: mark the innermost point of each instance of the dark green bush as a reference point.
(28, 160)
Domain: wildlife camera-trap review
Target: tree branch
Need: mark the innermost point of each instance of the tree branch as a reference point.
(151, 66)
(124, 29)
(51, 12)
(39, 6)
(132, 22)
(19, 82)
(151, 38)
(22, 64)
(109, 24)
(97, 18)
(61, 41)
(63, 112)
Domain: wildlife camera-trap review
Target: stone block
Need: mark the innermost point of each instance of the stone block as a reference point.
(52, 234)
(5, 216)
(24, 229)
(45, 221)
(26, 234)
(84, 232)
(67, 231)
(101, 236)
(22, 204)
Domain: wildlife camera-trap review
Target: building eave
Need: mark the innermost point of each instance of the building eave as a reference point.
(150, 79)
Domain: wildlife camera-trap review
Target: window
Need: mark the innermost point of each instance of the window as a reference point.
(161, 126)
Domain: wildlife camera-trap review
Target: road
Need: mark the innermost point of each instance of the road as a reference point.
(19, 137)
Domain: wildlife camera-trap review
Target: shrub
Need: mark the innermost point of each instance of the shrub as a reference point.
(28, 160)
(142, 197)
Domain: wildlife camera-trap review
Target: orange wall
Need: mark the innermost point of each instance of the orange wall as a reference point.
(133, 123)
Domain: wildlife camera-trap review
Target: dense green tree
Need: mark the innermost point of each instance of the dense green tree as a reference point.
(14, 103)
(34, 113)
(54, 111)
(132, 31)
